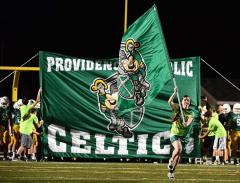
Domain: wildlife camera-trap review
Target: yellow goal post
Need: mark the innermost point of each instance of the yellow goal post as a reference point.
(16, 70)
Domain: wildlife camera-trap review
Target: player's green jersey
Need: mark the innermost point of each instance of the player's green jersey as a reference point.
(234, 121)
(17, 116)
(5, 115)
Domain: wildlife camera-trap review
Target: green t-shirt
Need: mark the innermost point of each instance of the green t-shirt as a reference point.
(27, 126)
(177, 125)
(216, 127)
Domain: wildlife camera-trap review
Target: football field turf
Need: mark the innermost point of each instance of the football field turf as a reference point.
(113, 172)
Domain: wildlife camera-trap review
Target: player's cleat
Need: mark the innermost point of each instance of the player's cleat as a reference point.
(236, 162)
(16, 157)
(9, 155)
(4, 158)
(33, 159)
(170, 175)
(170, 169)
(216, 162)
(226, 162)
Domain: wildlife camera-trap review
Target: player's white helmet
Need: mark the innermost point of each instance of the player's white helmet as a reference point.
(236, 108)
(4, 102)
(19, 102)
(226, 108)
(15, 105)
(31, 101)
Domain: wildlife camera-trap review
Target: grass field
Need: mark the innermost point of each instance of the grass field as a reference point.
(113, 172)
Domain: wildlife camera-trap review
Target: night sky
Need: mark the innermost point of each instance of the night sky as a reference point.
(94, 28)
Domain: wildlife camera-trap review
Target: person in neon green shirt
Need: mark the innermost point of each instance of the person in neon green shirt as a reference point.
(180, 129)
(216, 127)
(24, 109)
(26, 130)
(28, 118)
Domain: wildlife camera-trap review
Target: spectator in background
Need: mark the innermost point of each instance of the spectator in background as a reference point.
(222, 117)
(26, 130)
(28, 118)
(215, 126)
(207, 142)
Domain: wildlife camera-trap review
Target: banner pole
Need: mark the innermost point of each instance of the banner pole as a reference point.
(125, 15)
(178, 98)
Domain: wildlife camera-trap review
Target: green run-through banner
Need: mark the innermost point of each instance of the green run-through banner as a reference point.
(77, 116)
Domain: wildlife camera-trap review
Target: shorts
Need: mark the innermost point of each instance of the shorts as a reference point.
(219, 143)
(26, 140)
(183, 139)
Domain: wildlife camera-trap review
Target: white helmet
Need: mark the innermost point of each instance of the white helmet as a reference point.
(16, 106)
(31, 101)
(236, 108)
(19, 102)
(226, 108)
(4, 102)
